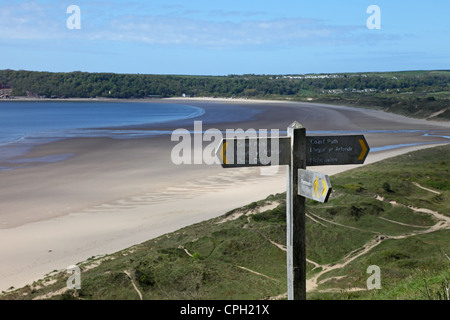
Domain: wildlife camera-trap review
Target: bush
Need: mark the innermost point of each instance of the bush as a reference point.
(252, 205)
(275, 215)
(354, 187)
(145, 274)
(387, 187)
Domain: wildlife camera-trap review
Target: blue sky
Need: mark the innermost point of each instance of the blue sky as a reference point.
(218, 37)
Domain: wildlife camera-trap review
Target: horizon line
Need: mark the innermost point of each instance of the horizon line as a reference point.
(226, 75)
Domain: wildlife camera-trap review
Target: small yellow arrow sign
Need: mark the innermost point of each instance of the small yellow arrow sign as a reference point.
(364, 149)
(325, 188)
(223, 152)
(310, 186)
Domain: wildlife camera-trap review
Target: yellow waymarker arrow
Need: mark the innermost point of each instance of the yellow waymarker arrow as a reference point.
(222, 152)
(364, 149)
(324, 191)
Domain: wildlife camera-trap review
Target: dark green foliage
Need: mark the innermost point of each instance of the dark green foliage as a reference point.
(145, 274)
(387, 187)
(252, 205)
(356, 212)
(354, 187)
(418, 94)
(275, 215)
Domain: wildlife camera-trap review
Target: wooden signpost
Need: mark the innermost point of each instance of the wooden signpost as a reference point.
(296, 150)
(320, 151)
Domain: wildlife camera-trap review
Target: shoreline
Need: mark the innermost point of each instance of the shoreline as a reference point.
(250, 101)
(112, 194)
(195, 99)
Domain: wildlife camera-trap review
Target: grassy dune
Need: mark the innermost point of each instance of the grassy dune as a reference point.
(375, 216)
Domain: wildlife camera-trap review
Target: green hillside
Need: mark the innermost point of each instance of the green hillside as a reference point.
(394, 214)
(419, 94)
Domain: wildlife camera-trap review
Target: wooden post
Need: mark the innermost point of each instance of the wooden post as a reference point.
(296, 151)
(295, 216)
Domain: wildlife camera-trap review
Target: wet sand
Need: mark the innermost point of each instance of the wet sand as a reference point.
(111, 194)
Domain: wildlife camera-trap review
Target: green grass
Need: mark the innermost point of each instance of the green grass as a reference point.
(220, 254)
(405, 267)
(411, 104)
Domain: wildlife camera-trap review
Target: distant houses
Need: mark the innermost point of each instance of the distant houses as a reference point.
(340, 91)
(5, 92)
(319, 76)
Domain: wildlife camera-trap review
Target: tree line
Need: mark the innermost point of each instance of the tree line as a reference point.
(90, 85)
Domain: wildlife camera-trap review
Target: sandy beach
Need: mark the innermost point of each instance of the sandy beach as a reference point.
(111, 194)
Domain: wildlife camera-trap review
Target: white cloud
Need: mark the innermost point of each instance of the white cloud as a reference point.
(31, 21)
(28, 20)
(164, 30)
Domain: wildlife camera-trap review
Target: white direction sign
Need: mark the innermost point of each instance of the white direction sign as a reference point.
(314, 185)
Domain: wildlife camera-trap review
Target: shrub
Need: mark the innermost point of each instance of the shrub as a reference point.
(387, 187)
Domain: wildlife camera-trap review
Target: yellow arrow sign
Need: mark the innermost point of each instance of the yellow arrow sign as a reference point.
(310, 186)
(223, 152)
(324, 190)
(364, 149)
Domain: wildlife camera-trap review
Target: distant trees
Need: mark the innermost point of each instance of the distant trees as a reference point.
(87, 85)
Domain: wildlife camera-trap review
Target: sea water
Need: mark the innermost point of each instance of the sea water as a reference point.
(26, 124)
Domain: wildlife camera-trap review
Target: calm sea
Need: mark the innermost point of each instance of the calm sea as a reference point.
(25, 124)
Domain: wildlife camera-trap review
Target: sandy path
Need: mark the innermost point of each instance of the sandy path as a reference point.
(427, 189)
(133, 283)
(443, 223)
